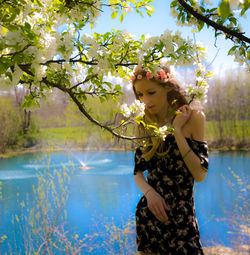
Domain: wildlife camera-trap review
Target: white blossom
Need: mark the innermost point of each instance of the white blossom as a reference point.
(16, 75)
(137, 108)
(40, 72)
(200, 68)
(125, 110)
(87, 39)
(93, 51)
(162, 132)
(140, 107)
(68, 68)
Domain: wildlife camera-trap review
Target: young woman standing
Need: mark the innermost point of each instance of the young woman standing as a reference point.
(166, 223)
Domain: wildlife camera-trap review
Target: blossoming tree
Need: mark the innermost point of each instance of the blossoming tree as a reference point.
(222, 16)
(41, 47)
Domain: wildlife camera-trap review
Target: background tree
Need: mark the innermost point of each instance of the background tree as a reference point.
(42, 48)
(9, 124)
(227, 110)
(20, 93)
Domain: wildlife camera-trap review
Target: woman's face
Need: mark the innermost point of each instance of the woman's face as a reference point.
(153, 95)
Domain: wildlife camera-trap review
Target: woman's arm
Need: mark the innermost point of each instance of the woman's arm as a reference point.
(198, 133)
(156, 203)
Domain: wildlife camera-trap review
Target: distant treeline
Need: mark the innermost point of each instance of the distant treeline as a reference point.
(227, 113)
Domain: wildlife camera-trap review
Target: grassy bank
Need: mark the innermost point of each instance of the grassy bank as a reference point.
(226, 135)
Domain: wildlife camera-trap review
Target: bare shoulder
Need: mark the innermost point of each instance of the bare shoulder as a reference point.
(197, 117)
(197, 124)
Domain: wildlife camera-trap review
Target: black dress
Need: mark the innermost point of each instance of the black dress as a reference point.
(170, 177)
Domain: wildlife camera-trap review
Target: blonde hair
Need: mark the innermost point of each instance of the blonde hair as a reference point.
(175, 97)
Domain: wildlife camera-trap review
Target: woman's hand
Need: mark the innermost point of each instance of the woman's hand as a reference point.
(157, 205)
(182, 116)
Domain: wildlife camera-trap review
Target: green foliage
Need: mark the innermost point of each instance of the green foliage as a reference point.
(35, 54)
(9, 124)
(42, 58)
(28, 139)
(227, 111)
(12, 135)
(219, 15)
(228, 98)
(224, 10)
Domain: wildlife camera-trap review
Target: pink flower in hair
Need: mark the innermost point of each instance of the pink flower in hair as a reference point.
(157, 76)
(139, 76)
(149, 75)
(162, 75)
(133, 78)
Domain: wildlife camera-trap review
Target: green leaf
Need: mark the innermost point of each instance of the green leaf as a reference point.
(230, 52)
(233, 20)
(224, 10)
(122, 122)
(111, 114)
(121, 18)
(27, 26)
(201, 25)
(114, 14)
(101, 99)
(117, 87)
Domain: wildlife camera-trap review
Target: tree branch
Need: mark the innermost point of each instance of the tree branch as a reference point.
(17, 52)
(85, 113)
(213, 24)
(81, 83)
(59, 61)
(26, 68)
(96, 93)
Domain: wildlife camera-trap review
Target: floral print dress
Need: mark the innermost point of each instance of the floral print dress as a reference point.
(170, 177)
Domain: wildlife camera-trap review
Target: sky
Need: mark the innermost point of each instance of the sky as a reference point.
(162, 20)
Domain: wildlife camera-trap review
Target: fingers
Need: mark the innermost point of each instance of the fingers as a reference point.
(166, 207)
(162, 213)
(184, 110)
(157, 206)
(159, 211)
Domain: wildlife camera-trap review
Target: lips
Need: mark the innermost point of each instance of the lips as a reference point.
(150, 107)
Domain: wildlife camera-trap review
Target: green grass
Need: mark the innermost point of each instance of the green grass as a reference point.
(84, 137)
(77, 136)
(224, 135)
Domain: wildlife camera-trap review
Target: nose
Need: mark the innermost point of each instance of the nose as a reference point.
(145, 100)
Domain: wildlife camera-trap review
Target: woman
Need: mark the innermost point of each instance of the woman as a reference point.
(166, 223)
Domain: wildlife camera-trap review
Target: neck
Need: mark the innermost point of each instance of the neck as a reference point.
(165, 120)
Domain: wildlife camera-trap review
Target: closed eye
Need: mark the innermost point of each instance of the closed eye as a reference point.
(141, 95)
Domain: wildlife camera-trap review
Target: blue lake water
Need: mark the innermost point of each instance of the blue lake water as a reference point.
(105, 195)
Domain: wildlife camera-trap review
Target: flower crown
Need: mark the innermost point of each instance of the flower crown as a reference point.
(160, 76)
